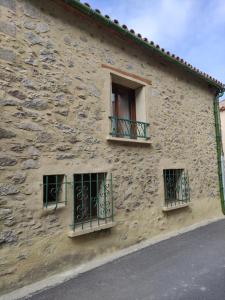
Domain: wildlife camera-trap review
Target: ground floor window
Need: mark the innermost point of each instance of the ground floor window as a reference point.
(54, 189)
(176, 186)
(93, 203)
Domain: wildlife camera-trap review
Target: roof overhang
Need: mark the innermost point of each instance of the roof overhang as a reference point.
(143, 42)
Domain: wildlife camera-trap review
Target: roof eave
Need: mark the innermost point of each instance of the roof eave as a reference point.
(86, 9)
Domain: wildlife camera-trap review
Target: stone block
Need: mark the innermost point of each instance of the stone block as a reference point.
(7, 55)
(28, 84)
(42, 28)
(65, 156)
(8, 189)
(31, 61)
(29, 25)
(33, 39)
(47, 56)
(63, 147)
(31, 11)
(33, 152)
(44, 137)
(19, 177)
(30, 164)
(8, 28)
(4, 213)
(67, 40)
(9, 102)
(62, 112)
(83, 39)
(65, 128)
(17, 94)
(11, 4)
(94, 91)
(37, 104)
(30, 126)
(9, 222)
(7, 161)
(6, 134)
(8, 237)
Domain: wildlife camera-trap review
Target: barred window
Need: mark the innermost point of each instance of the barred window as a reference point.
(176, 187)
(54, 190)
(93, 202)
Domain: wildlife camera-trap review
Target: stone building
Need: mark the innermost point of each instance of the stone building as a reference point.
(106, 139)
(222, 118)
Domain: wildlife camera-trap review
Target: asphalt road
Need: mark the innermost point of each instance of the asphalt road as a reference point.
(187, 267)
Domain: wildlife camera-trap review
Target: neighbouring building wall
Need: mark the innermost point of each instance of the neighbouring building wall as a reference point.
(55, 104)
(222, 118)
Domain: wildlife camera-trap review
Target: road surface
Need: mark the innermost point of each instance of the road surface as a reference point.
(187, 267)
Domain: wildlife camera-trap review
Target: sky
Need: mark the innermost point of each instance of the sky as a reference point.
(192, 29)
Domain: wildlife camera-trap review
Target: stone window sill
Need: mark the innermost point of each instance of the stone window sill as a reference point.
(52, 207)
(131, 141)
(95, 227)
(179, 206)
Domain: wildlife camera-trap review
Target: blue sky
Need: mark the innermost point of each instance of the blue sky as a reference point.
(191, 29)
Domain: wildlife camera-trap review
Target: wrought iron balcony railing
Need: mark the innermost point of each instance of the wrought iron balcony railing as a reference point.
(124, 128)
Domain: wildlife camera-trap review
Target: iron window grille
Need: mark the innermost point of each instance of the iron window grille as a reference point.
(93, 200)
(54, 190)
(176, 187)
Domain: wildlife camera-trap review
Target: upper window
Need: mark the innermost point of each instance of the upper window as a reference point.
(128, 114)
(176, 187)
(124, 111)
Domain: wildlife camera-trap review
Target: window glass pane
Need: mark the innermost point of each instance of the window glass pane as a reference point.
(121, 101)
(52, 188)
(124, 111)
(113, 99)
(123, 106)
(87, 196)
(176, 186)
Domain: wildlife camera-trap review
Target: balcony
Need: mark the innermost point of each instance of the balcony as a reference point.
(128, 129)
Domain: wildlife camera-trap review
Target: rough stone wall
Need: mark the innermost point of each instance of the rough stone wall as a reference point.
(54, 101)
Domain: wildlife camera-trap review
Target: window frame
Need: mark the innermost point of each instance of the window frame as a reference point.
(116, 89)
(119, 90)
(61, 199)
(181, 188)
(99, 219)
(140, 124)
